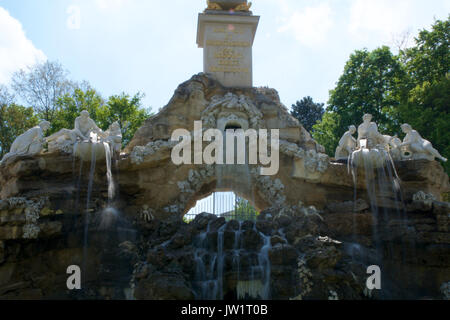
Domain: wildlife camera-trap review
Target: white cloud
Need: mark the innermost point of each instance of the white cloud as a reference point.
(384, 17)
(16, 50)
(310, 25)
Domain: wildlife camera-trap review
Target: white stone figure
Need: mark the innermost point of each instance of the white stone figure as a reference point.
(368, 130)
(418, 147)
(347, 144)
(114, 137)
(65, 138)
(372, 149)
(29, 143)
(84, 126)
(395, 148)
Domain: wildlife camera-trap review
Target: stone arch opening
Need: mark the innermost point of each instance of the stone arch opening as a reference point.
(225, 204)
(239, 193)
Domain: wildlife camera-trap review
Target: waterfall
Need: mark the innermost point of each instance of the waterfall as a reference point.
(109, 213)
(386, 202)
(264, 264)
(111, 188)
(220, 260)
(207, 284)
(210, 269)
(87, 214)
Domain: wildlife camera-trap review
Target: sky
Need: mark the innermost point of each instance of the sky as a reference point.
(149, 46)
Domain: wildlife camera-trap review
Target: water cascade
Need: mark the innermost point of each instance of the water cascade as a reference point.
(230, 263)
(95, 150)
(373, 161)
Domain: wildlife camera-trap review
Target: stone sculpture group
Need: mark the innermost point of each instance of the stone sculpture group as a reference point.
(413, 147)
(85, 132)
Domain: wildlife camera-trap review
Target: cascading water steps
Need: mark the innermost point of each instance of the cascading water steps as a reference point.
(252, 282)
(384, 192)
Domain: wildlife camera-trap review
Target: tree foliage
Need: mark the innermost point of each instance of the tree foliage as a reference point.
(41, 86)
(307, 112)
(70, 105)
(371, 83)
(325, 132)
(52, 97)
(426, 104)
(127, 110)
(429, 59)
(411, 87)
(14, 120)
(244, 210)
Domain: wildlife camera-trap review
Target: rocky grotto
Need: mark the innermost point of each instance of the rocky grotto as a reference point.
(77, 201)
(119, 215)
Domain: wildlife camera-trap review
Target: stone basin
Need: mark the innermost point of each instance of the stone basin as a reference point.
(372, 158)
(83, 151)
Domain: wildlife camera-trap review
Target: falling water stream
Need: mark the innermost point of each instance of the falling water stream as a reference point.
(111, 188)
(385, 198)
(105, 219)
(210, 270)
(210, 260)
(87, 213)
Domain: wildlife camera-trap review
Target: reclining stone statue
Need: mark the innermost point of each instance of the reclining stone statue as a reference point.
(347, 144)
(65, 138)
(415, 147)
(29, 143)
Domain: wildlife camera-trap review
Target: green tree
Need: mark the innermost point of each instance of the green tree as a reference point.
(325, 134)
(41, 86)
(14, 120)
(427, 111)
(127, 110)
(69, 106)
(244, 210)
(371, 83)
(429, 59)
(307, 112)
(425, 106)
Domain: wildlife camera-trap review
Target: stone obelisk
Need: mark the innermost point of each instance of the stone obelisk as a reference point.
(226, 31)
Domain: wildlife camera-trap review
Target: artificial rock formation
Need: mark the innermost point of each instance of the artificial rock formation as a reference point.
(312, 236)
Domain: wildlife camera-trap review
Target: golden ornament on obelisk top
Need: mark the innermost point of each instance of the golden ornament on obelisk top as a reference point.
(225, 5)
